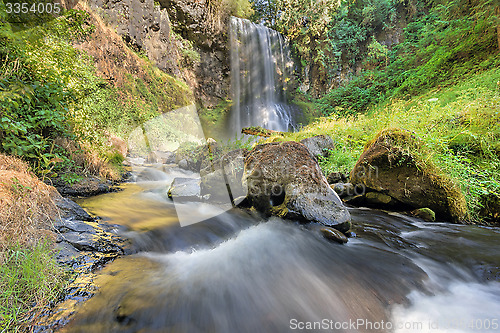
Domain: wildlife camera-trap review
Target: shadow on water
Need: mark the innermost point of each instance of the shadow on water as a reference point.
(240, 273)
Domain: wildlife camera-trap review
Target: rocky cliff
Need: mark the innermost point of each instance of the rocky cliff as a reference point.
(176, 37)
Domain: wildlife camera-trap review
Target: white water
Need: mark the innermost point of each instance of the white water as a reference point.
(238, 272)
(260, 69)
(464, 307)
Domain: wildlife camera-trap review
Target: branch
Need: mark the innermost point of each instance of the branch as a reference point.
(259, 131)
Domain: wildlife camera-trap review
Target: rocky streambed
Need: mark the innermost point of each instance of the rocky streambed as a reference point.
(84, 244)
(275, 179)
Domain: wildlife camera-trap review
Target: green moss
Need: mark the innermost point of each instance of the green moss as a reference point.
(455, 132)
(214, 120)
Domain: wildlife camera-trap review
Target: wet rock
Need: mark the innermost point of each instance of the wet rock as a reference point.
(166, 157)
(377, 198)
(66, 253)
(337, 177)
(319, 145)
(355, 200)
(183, 164)
(343, 189)
(163, 157)
(350, 234)
(285, 180)
(425, 214)
(70, 210)
(83, 188)
(85, 245)
(185, 188)
(85, 241)
(152, 158)
(389, 165)
(71, 225)
(334, 235)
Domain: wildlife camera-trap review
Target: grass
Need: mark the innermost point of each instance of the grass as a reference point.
(459, 127)
(30, 279)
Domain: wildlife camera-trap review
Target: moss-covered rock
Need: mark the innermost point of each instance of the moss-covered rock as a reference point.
(425, 214)
(284, 180)
(392, 164)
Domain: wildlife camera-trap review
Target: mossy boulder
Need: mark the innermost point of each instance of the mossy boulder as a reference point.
(393, 164)
(425, 214)
(319, 145)
(285, 180)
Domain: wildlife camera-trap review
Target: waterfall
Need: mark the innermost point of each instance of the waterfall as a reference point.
(260, 69)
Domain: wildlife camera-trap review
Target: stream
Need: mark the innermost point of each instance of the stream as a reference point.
(239, 272)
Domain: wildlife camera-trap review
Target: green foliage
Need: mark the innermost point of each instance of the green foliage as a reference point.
(49, 89)
(71, 178)
(327, 34)
(30, 280)
(214, 120)
(190, 57)
(36, 88)
(456, 128)
(440, 48)
(31, 115)
(338, 160)
(444, 41)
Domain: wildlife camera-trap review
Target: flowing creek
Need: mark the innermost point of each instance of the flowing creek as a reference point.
(239, 272)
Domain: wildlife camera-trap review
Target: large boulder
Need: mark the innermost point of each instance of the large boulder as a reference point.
(221, 177)
(391, 165)
(284, 179)
(319, 145)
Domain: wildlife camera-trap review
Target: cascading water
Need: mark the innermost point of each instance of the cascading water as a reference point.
(260, 69)
(238, 272)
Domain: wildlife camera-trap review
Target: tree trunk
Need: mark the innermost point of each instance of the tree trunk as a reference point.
(258, 131)
(497, 11)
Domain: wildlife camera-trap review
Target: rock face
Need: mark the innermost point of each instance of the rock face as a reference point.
(69, 210)
(148, 26)
(189, 19)
(144, 26)
(319, 145)
(389, 166)
(284, 179)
